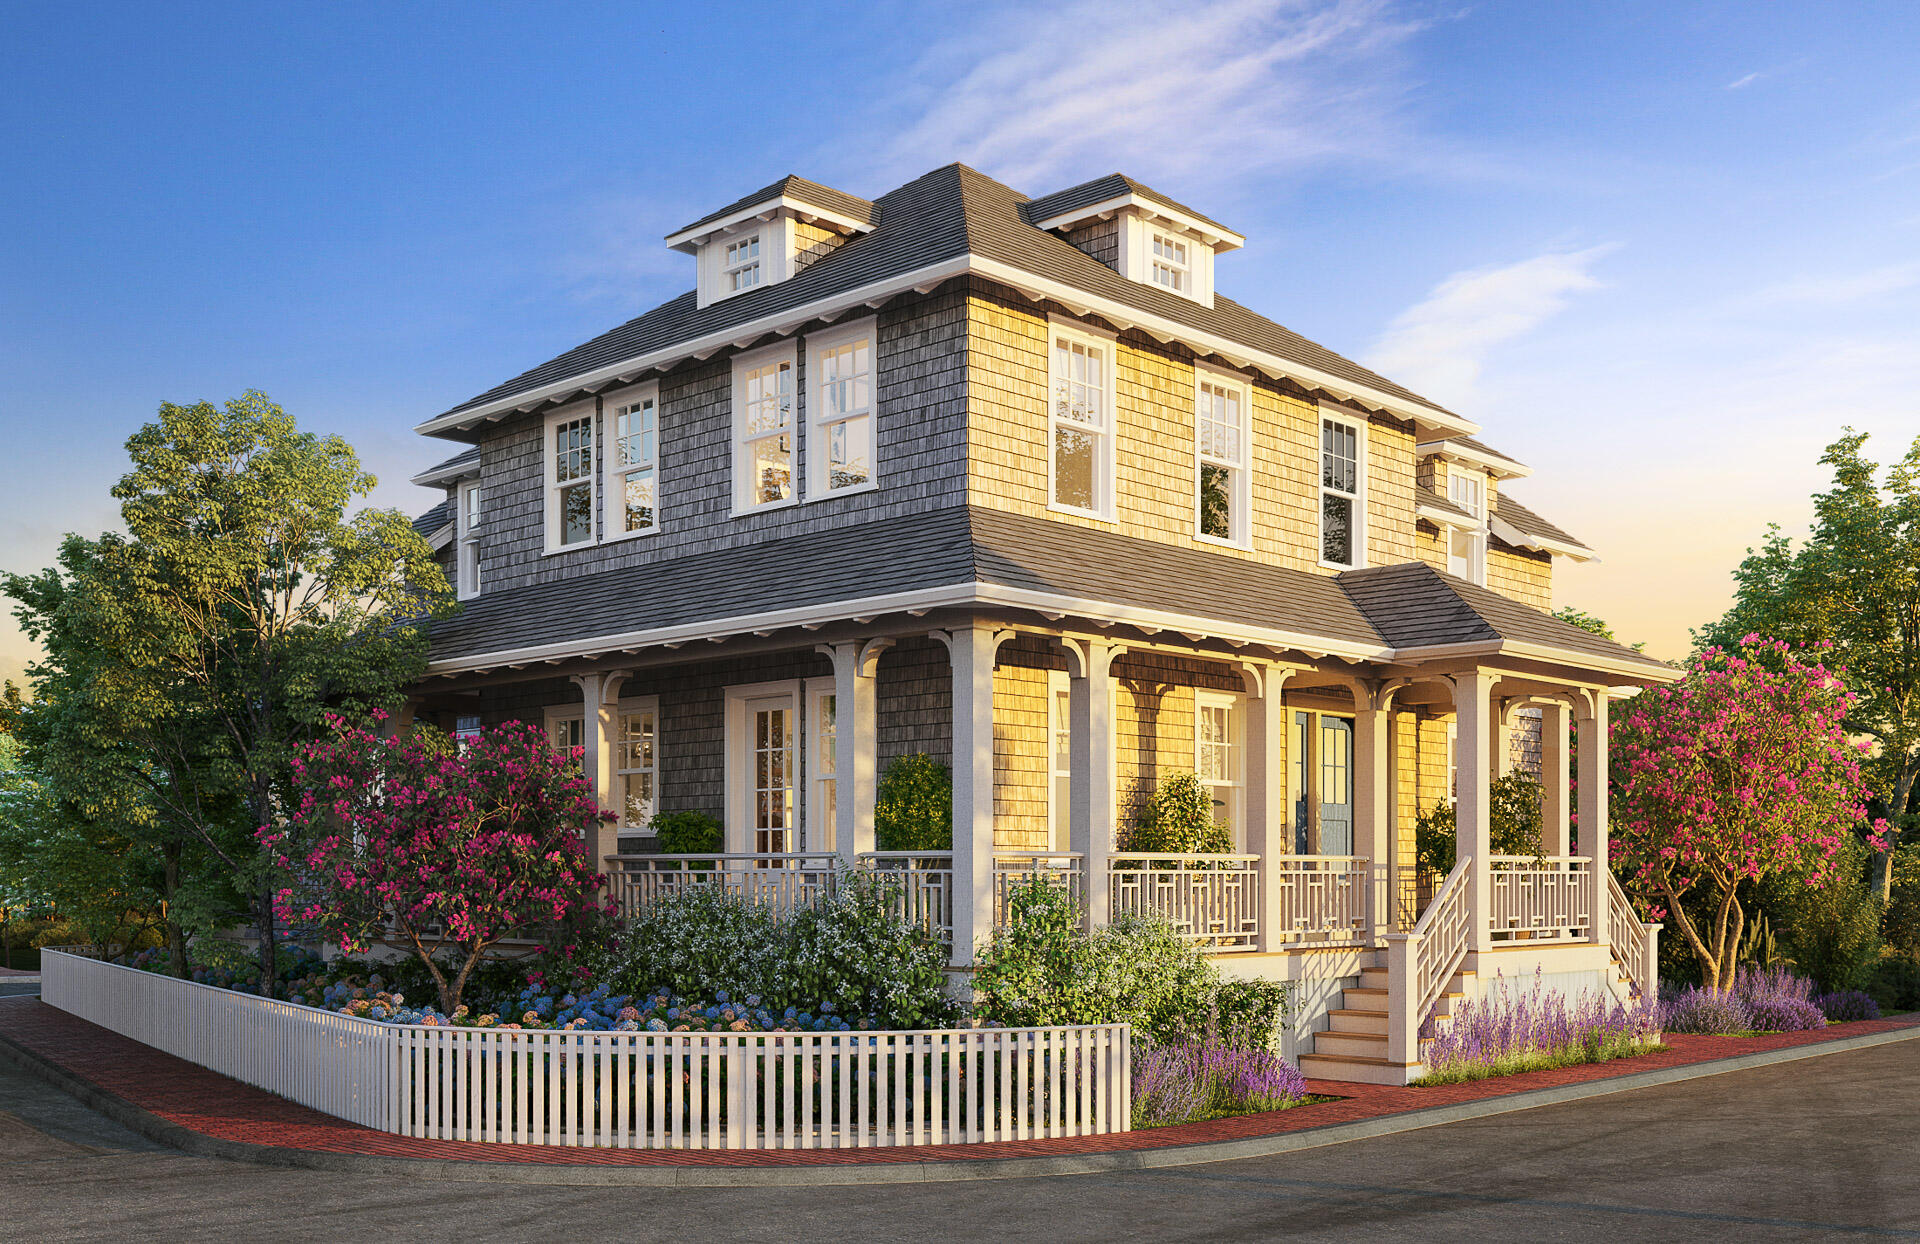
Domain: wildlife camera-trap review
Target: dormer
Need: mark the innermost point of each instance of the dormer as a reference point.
(1142, 235)
(769, 236)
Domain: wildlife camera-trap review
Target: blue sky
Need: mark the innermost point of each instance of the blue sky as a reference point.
(1662, 252)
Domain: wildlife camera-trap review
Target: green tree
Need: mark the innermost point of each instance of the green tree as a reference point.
(1587, 622)
(1853, 584)
(913, 805)
(11, 707)
(188, 659)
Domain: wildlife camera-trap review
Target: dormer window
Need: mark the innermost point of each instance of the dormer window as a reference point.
(1171, 265)
(743, 264)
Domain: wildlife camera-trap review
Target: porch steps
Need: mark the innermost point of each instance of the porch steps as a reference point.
(1354, 1045)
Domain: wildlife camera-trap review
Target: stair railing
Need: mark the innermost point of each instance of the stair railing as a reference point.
(1634, 942)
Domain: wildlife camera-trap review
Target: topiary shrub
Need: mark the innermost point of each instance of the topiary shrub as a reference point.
(1513, 808)
(1178, 819)
(913, 806)
(686, 833)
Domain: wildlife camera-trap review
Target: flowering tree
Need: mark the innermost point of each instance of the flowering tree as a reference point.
(450, 848)
(1741, 770)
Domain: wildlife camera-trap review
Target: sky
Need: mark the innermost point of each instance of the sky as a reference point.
(1661, 252)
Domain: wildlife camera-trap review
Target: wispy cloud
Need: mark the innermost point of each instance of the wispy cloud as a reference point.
(1843, 289)
(1746, 80)
(1172, 88)
(1438, 345)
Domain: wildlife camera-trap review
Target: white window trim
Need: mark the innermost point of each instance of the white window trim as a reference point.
(1477, 533)
(635, 704)
(1359, 424)
(554, 714)
(1183, 270)
(819, 811)
(1235, 704)
(616, 475)
(1220, 377)
(466, 543)
(738, 770)
(1108, 343)
(756, 238)
(742, 484)
(552, 490)
(1059, 819)
(818, 343)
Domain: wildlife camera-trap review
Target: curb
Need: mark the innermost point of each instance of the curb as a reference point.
(197, 1144)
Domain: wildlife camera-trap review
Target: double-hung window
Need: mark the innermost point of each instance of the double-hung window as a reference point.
(1080, 422)
(1342, 503)
(1221, 435)
(1218, 758)
(840, 399)
(467, 554)
(636, 464)
(567, 729)
(635, 763)
(1172, 264)
(823, 764)
(1060, 760)
(571, 479)
(741, 269)
(763, 428)
(1467, 546)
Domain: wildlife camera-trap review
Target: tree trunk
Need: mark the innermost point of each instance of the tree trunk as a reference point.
(169, 888)
(1897, 813)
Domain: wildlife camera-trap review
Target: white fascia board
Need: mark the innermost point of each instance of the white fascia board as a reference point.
(688, 238)
(1493, 464)
(1445, 518)
(1643, 670)
(960, 594)
(960, 265)
(1219, 237)
(447, 474)
(1510, 534)
(441, 538)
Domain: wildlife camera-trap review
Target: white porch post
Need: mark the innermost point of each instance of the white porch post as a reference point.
(1499, 739)
(972, 650)
(1090, 695)
(1473, 823)
(1372, 802)
(1593, 801)
(1556, 823)
(1269, 828)
(599, 726)
(857, 742)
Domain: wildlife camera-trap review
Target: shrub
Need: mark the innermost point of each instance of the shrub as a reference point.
(913, 805)
(1178, 819)
(699, 942)
(1894, 983)
(1509, 1031)
(1776, 1000)
(1900, 923)
(1708, 1012)
(1832, 932)
(1513, 810)
(1192, 1081)
(686, 833)
(1846, 1006)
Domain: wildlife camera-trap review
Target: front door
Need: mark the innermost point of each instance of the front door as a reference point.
(1336, 786)
(770, 777)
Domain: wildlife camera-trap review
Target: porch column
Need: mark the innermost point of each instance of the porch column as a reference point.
(1090, 696)
(972, 650)
(856, 743)
(1556, 822)
(1372, 800)
(1269, 827)
(1592, 733)
(599, 732)
(1499, 739)
(1473, 822)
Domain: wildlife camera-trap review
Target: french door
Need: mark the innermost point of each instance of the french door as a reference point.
(1336, 785)
(770, 773)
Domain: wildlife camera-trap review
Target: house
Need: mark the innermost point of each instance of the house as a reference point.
(1006, 481)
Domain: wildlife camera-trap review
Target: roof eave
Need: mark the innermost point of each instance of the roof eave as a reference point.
(446, 474)
(1572, 550)
(1493, 464)
(1219, 237)
(689, 239)
(1638, 669)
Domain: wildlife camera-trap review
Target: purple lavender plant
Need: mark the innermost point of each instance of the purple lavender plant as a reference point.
(1847, 1005)
(1777, 1000)
(1510, 1030)
(1194, 1080)
(1704, 1011)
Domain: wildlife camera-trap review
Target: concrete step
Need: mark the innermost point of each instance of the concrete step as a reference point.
(1355, 1070)
(1350, 1044)
(1345, 1020)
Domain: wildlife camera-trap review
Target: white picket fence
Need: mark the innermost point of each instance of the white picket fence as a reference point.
(632, 1090)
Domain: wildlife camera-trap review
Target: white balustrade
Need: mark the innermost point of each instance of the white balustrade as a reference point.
(1440, 940)
(926, 886)
(1540, 899)
(1214, 900)
(783, 881)
(1636, 943)
(1325, 900)
(630, 1090)
(1062, 868)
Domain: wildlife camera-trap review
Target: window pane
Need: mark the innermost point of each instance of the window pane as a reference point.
(1073, 467)
(1216, 501)
(772, 468)
(849, 452)
(1339, 457)
(576, 514)
(639, 500)
(827, 735)
(1336, 529)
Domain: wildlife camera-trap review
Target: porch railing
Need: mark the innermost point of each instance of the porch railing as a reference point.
(1540, 899)
(926, 886)
(1065, 868)
(781, 881)
(1214, 900)
(1324, 900)
(1636, 943)
(1441, 941)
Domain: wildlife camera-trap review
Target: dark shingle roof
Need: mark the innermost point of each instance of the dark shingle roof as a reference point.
(939, 216)
(1481, 447)
(1412, 605)
(1423, 495)
(839, 202)
(433, 520)
(1099, 190)
(1527, 523)
(465, 458)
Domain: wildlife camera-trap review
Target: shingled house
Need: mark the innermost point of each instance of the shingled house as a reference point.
(1005, 481)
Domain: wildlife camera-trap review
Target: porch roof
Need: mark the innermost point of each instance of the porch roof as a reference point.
(961, 556)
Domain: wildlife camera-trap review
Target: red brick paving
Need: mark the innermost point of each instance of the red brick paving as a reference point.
(216, 1106)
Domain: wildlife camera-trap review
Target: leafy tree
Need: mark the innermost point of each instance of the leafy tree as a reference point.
(188, 659)
(452, 848)
(1742, 770)
(1587, 622)
(1854, 584)
(11, 706)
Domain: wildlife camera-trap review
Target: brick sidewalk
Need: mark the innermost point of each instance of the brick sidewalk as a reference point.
(212, 1105)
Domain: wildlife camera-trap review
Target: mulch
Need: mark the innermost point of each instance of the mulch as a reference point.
(215, 1106)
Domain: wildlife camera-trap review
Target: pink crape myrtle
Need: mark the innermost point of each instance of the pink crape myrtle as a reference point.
(1741, 770)
(443, 847)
